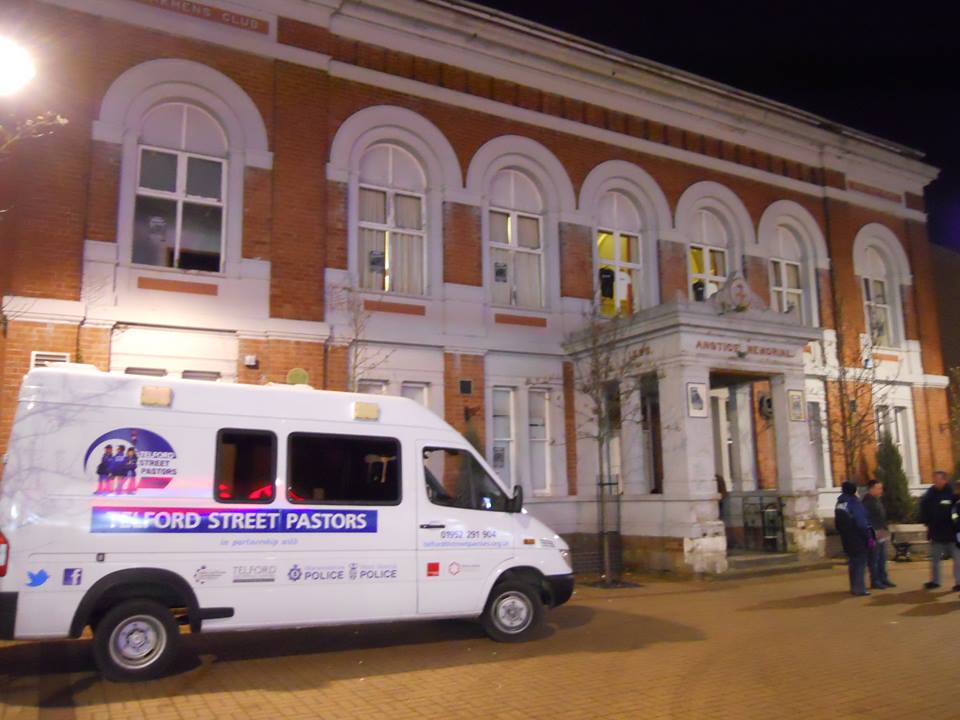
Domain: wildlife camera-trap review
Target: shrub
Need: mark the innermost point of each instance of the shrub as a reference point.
(896, 495)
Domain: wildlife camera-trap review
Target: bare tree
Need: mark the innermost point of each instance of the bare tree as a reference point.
(860, 389)
(14, 131)
(601, 362)
(362, 356)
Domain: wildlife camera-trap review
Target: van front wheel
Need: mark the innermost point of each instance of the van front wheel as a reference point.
(513, 612)
(135, 640)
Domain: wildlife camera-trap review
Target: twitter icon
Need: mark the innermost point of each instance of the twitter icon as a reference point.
(37, 579)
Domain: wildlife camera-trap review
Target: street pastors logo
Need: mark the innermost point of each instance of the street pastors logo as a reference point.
(125, 461)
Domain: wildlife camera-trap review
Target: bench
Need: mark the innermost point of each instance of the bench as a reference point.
(903, 541)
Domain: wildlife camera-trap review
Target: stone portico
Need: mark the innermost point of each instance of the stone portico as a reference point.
(665, 452)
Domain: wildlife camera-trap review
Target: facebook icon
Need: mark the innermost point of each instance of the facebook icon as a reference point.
(72, 576)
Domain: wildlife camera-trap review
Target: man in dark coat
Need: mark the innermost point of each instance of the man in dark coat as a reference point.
(877, 517)
(856, 534)
(935, 510)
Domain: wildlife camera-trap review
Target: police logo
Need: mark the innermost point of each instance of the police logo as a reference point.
(295, 573)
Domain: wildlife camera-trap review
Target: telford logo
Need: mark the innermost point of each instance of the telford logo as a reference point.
(254, 573)
(433, 569)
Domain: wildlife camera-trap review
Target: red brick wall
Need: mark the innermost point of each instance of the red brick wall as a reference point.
(298, 253)
(257, 213)
(825, 297)
(757, 271)
(924, 296)
(570, 426)
(457, 367)
(673, 270)
(462, 244)
(104, 192)
(94, 347)
(276, 358)
(934, 449)
(576, 261)
(336, 229)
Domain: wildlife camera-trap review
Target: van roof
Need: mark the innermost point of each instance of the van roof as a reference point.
(76, 384)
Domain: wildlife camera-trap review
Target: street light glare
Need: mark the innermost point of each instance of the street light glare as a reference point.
(16, 67)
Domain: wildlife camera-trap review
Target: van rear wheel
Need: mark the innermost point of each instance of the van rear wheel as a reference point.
(135, 640)
(513, 613)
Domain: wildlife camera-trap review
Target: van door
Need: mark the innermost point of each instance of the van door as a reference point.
(464, 532)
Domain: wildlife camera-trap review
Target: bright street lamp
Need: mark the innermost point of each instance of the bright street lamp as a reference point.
(16, 67)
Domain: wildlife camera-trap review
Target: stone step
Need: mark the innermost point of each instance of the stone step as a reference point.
(746, 560)
(782, 568)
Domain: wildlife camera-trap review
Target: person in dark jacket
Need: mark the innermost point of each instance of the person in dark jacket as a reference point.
(856, 535)
(877, 516)
(935, 510)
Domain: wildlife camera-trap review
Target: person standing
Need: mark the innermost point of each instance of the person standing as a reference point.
(856, 535)
(935, 512)
(877, 516)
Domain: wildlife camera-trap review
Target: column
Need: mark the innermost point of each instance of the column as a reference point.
(744, 459)
(691, 509)
(797, 481)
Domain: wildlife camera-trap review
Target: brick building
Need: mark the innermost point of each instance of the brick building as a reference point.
(431, 199)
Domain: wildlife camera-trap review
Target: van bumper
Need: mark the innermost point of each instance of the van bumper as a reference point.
(561, 588)
(8, 614)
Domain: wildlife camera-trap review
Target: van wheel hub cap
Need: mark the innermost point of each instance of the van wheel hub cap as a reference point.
(137, 642)
(513, 612)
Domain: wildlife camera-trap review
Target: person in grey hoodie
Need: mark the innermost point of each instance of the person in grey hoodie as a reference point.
(877, 515)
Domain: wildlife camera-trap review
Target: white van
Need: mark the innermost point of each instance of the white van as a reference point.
(133, 504)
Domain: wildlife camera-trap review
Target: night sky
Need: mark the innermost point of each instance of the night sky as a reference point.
(890, 70)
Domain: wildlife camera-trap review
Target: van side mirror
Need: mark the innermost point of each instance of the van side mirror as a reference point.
(516, 502)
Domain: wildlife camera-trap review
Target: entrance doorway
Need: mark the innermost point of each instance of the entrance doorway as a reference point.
(745, 461)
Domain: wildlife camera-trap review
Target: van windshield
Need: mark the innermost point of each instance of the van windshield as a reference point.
(455, 478)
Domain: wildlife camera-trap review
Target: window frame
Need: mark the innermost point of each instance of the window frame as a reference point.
(513, 248)
(345, 436)
(390, 228)
(273, 464)
(488, 471)
(706, 276)
(619, 265)
(869, 303)
(545, 441)
(179, 195)
(511, 459)
(779, 289)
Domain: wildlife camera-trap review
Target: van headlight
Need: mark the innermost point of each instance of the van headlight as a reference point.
(565, 556)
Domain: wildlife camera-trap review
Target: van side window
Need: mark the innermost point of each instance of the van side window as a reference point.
(456, 479)
(328, 469)
(246, 466)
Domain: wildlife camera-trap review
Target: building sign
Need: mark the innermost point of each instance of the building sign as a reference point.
(213, 14)
(742, 350)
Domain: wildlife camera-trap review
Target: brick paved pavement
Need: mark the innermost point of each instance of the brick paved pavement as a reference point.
(786, 647)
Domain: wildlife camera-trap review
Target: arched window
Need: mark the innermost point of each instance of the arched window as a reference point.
(786, 273)
(708, 255)
(392, 221)
(882, 267)
(180, 197)
(619, 255)
(515, 232)
(877, 299)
